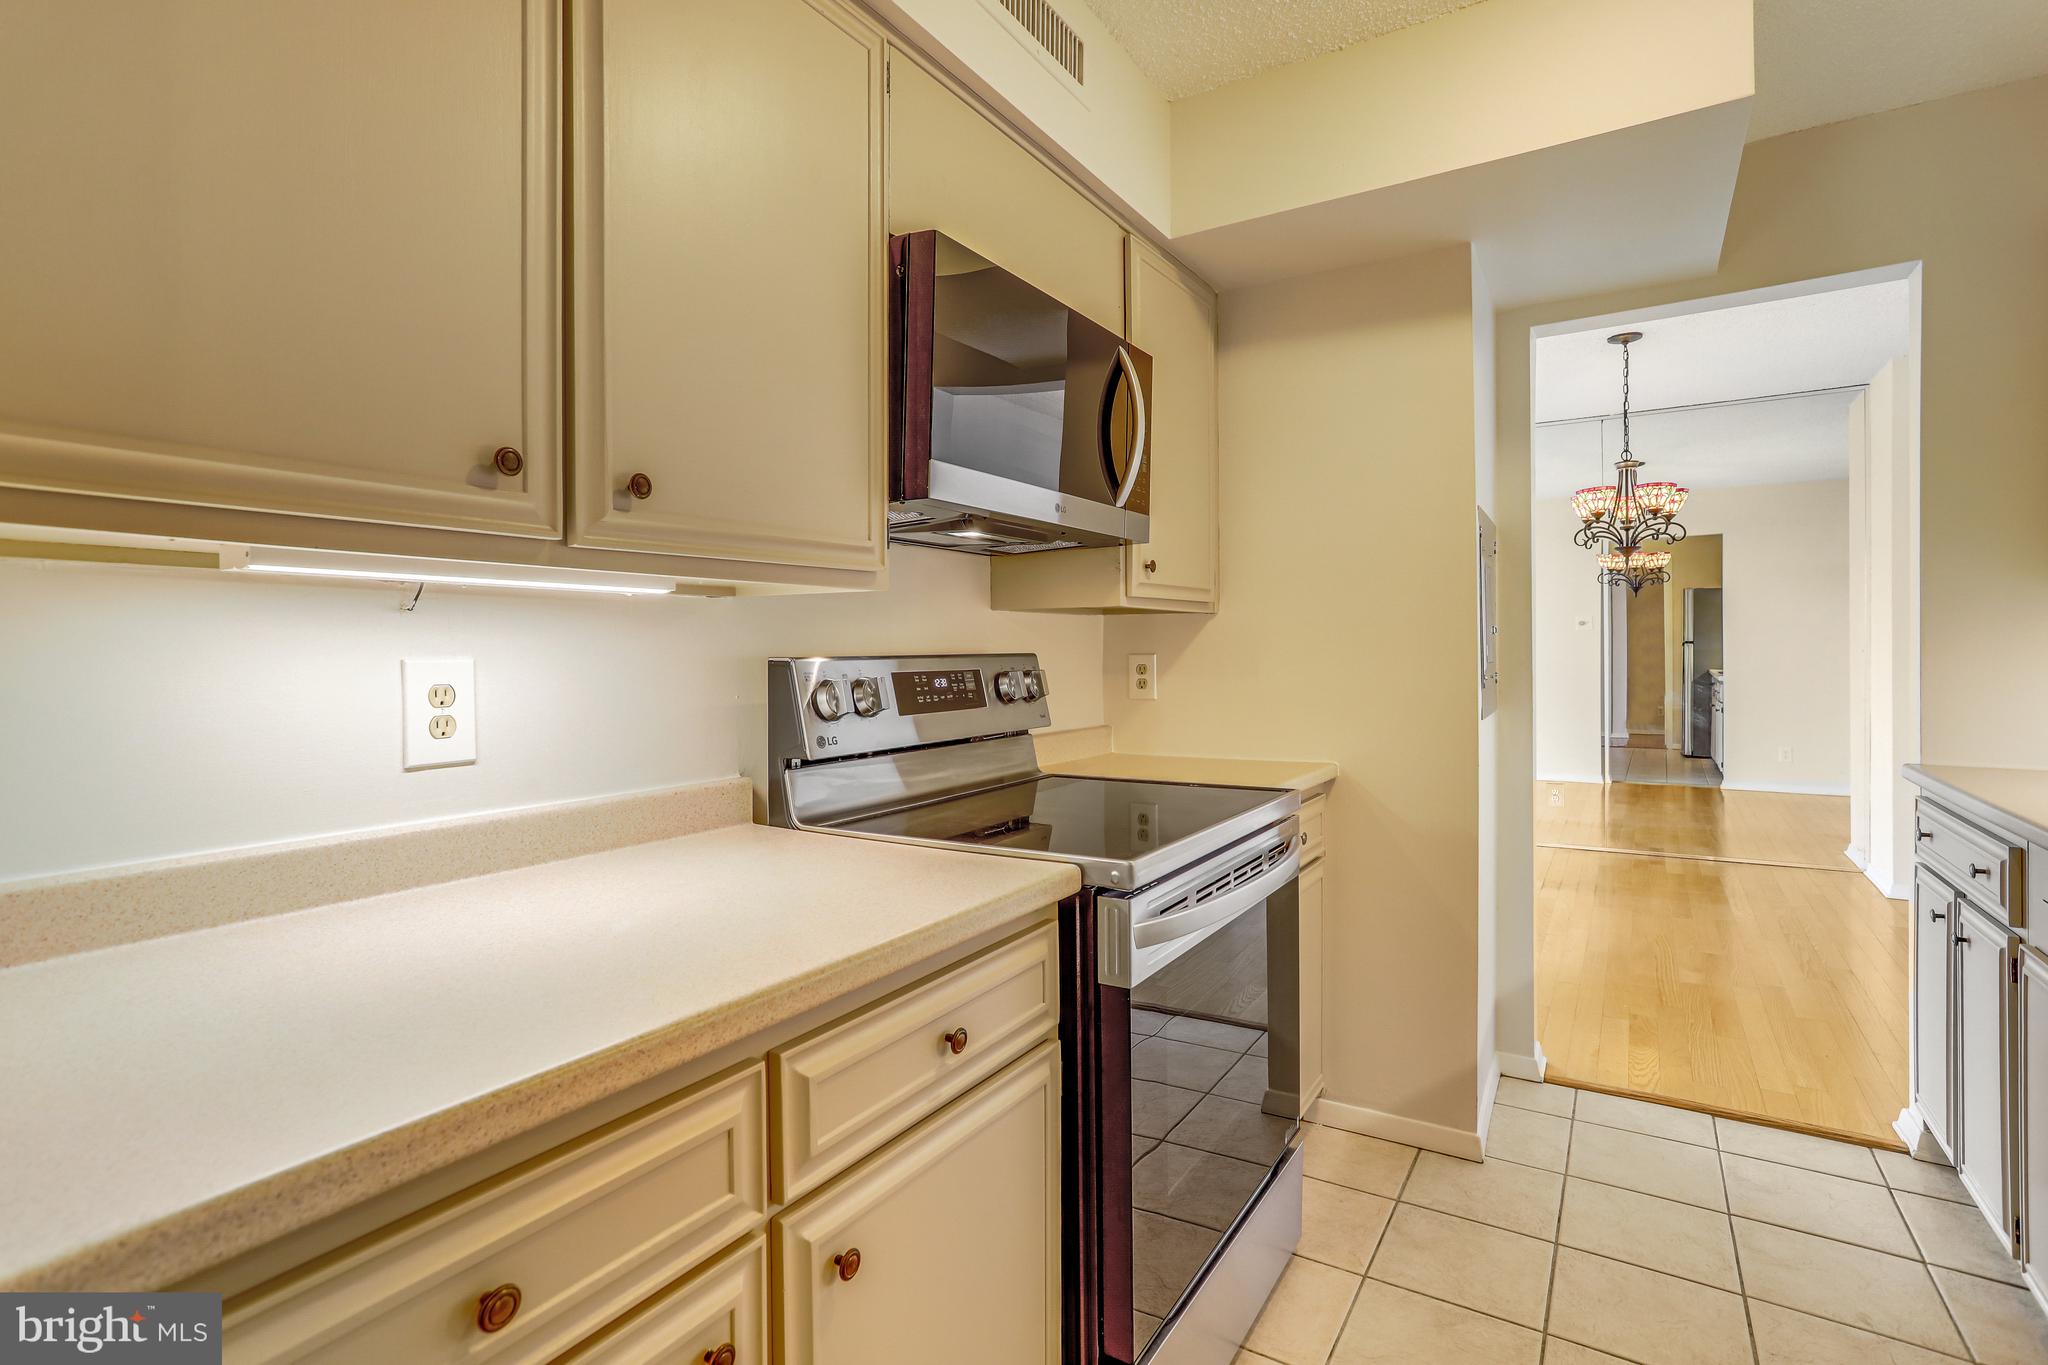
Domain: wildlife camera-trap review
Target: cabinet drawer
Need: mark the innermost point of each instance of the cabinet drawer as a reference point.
(1989, 867)
(845, 1092)
(1314, 815)
(723, 1305)
(584, 1233)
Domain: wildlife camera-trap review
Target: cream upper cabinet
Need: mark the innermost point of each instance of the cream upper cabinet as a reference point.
(284, 255)
(953, 170)
(728, 272)
(942, 1247)
(1173, 317)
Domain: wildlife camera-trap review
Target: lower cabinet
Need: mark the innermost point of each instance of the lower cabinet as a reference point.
(943, 1247)
(1309, 889)
(2033, 1106)
(718, 1316)
(1933, 935)
(1984, 956)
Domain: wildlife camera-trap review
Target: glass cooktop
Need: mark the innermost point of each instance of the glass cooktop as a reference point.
(1084, 818)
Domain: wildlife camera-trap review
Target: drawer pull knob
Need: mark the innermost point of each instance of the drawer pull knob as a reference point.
(1937, 915)
(848, 1262)
(724, 1355)
(1963, 939)
(508, 461)
(640, 486)
(498, 1307)
(956, 1041)
(1976, 871)
(1925, 835)
(1151, 566)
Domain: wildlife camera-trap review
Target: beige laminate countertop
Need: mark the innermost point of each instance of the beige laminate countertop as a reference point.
(2016, 798)
(1222, 772)
(168, 1104)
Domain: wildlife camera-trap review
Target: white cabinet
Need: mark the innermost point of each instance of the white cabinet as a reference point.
(2033, 1148)
(943, 1247)
(285, 256)
(1934, 917)
(1983, 1052)
(1309, 889)
(729, 264)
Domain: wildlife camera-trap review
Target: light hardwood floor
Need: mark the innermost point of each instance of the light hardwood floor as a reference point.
(1756, 973)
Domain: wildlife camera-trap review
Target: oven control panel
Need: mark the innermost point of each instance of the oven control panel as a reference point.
(836, 707)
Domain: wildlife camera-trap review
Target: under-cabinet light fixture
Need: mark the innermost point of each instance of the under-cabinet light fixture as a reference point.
(456, 572)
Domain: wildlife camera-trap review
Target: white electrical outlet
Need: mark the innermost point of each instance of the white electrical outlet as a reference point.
(1785, 754)
(438, 711)
(1143, 682)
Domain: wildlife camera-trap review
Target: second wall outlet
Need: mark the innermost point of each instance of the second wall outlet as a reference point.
(1142, 684)
(438, 711)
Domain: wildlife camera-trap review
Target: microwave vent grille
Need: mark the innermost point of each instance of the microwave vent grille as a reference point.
(1052, 32)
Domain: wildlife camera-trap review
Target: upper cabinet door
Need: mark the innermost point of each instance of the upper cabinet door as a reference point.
(729, 265)
(287, 255)
(953, 170)
(1173, 317)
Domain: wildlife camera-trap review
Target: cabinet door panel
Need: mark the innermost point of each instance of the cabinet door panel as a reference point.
(284, 255)
(1310, 888)
(957, 1226)
(1934, 924)
(1174, 319)
(724, 1304)
(729, 325)
(1981, 1056)
(2033, 1151)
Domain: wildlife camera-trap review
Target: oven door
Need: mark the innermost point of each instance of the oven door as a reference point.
(1214, 1177)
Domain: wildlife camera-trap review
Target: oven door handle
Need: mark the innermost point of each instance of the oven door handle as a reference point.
(1222, 909)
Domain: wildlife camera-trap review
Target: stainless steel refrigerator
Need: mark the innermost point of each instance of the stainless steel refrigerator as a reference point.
(1701, 652)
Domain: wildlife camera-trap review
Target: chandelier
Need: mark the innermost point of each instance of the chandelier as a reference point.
(1629, 523)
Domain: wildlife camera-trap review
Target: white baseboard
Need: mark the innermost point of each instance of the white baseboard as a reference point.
(1788, 788)
(1435, 1137)
(1524, 1067)
(1885, 887)
(1858, 857)
(1595, 778)
(1489, 1086)
(1918, 1137)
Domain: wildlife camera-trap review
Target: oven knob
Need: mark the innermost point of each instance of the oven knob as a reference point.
(1010, 685)
(1034, 684)
(867, 696)
(825, 700)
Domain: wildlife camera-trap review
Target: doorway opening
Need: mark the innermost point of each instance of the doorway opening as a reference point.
(1719, 859)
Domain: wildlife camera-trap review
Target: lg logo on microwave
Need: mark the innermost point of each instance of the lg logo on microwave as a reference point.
(169, 1328)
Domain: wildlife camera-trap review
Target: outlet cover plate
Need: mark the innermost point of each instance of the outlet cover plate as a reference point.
(1141, 682)
(424, 684)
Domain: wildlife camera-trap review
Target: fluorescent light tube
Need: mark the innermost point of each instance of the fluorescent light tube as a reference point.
(460, 573)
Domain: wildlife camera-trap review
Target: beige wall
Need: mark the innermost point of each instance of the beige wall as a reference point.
(1645, 691)
(1346, 631)
(1954, 184)
(1695, 563)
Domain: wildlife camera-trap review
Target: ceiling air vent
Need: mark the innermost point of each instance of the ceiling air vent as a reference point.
(1053, 33)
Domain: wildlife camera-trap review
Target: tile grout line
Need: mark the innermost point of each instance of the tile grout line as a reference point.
(1928, 1267)
(1741, 1281)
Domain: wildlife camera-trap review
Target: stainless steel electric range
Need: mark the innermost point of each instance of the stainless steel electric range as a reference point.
(1181, 1009)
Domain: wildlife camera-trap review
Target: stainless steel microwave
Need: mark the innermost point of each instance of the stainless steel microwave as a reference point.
(1016, 424)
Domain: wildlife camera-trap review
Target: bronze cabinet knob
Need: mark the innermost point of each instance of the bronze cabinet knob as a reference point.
(497, 1308)
(1151, 566)
(956, 1041)
(640, 486)
(848, 1262)
(508, 461)
(724, 1355)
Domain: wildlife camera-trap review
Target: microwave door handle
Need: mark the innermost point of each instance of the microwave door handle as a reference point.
(1138, 402)
(1220, 911)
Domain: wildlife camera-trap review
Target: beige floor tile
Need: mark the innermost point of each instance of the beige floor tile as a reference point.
(1194, 1186)
(1930, 1178)
(1156, 1108)
(1301, 1320)
(1657, 1234)
(1341, 1226)
(1884, 1294)
(1813, 1201)
(1252, 1358)
(1645, 1316)
(1956, 1236)
(1258, 1049)
(1846, 1159)
(2002, 1323)
(1140, 1146)
(1651, 1165)
(1246, 1081)
(1390, 1326)
(1363, 1163)
(1499, 1193)
(1527, 1137)
(1638, 1116)
(1544, 1099)
(1558, 1351)
(1209, 1033)
(1486, 1268)
(1147, 1022)
(1143, 1325)
(1165, 1254)
(1187, 1065)
(1784, 1337)
(1232, 1128)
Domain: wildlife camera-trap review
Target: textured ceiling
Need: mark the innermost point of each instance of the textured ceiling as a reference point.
(1187, 46)
(1822, 61)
